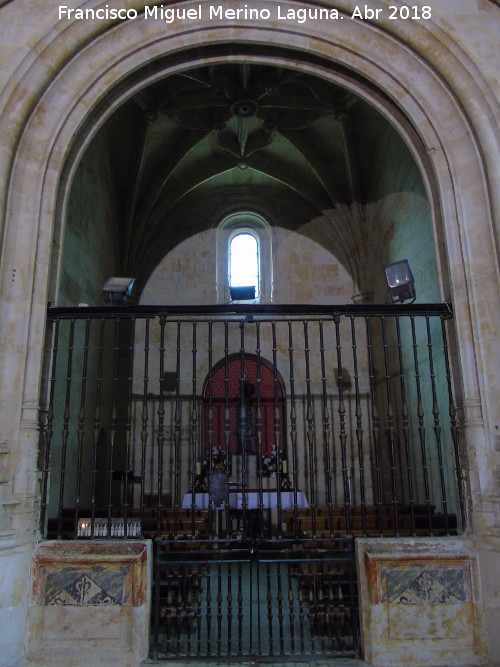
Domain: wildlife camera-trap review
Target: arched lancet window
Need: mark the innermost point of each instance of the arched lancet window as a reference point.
(244, 256)
(243, 260)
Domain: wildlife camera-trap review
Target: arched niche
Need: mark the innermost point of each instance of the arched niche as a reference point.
(50, 128)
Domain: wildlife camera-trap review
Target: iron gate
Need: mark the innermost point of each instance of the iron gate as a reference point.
(227, 598)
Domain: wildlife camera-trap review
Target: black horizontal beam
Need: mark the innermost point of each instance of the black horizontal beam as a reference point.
(238, 309)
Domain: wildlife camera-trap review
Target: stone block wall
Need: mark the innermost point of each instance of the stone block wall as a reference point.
(90, 603)
(420, 602)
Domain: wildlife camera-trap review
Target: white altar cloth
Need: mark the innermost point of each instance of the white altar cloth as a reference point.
(270, 499)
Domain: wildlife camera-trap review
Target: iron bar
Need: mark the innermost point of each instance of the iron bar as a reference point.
(258, 425)
(280, 614)
(229, 609)
(227, 412)
(291, 605)
(437, 424)
(405, 429)
(375, 426)
(240, 609)
(127, 472)
(310, 434)
(421, 424)
(242, 429)
(280, 453)
(219, 609)
(391, 428)
(199, 617)
(144, 419)
(114, 421)
(299, 310)
(48, 430)
(293, 425)
(194, 426)
(359, 426)
(454, 427)
(160, 438)
(342, 429)
(66, 423)
(81, 424)
(270, 610)
(209, 611)
(97, 426)
(326, 428)
(206, 449)
(177, 428)
(189, 594)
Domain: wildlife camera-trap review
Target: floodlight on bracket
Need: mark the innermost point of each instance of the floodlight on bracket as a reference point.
(400, 281)
(242, 293)
(117, 290)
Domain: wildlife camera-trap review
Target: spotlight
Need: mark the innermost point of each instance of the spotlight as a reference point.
(244, 293)
(400, 281)
(117, 290)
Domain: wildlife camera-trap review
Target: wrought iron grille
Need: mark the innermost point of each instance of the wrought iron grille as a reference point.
(253, 444)
(351, 406)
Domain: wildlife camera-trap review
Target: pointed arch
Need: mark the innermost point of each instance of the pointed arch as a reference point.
(244, 393)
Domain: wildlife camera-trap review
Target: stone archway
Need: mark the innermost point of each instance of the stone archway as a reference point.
(71, 99)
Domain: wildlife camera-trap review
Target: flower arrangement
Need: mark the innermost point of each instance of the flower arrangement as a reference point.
(218, 459)
(269, 462)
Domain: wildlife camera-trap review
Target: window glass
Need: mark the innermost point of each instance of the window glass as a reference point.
(244, 257)
(244, 261)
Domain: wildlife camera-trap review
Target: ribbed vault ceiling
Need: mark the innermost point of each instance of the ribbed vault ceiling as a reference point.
(195, 146)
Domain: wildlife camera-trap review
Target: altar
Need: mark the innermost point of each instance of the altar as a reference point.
(251, 499)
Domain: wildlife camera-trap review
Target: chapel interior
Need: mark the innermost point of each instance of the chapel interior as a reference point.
(248, 321)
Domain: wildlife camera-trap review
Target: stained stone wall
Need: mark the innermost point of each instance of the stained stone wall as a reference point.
(399, 225)
(90, 242)
(421, 602)
(90, 603)
(437, 81)
(304, 271)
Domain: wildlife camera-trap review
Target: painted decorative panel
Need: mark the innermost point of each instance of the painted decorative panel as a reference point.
(81, 587)
(425, 586)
